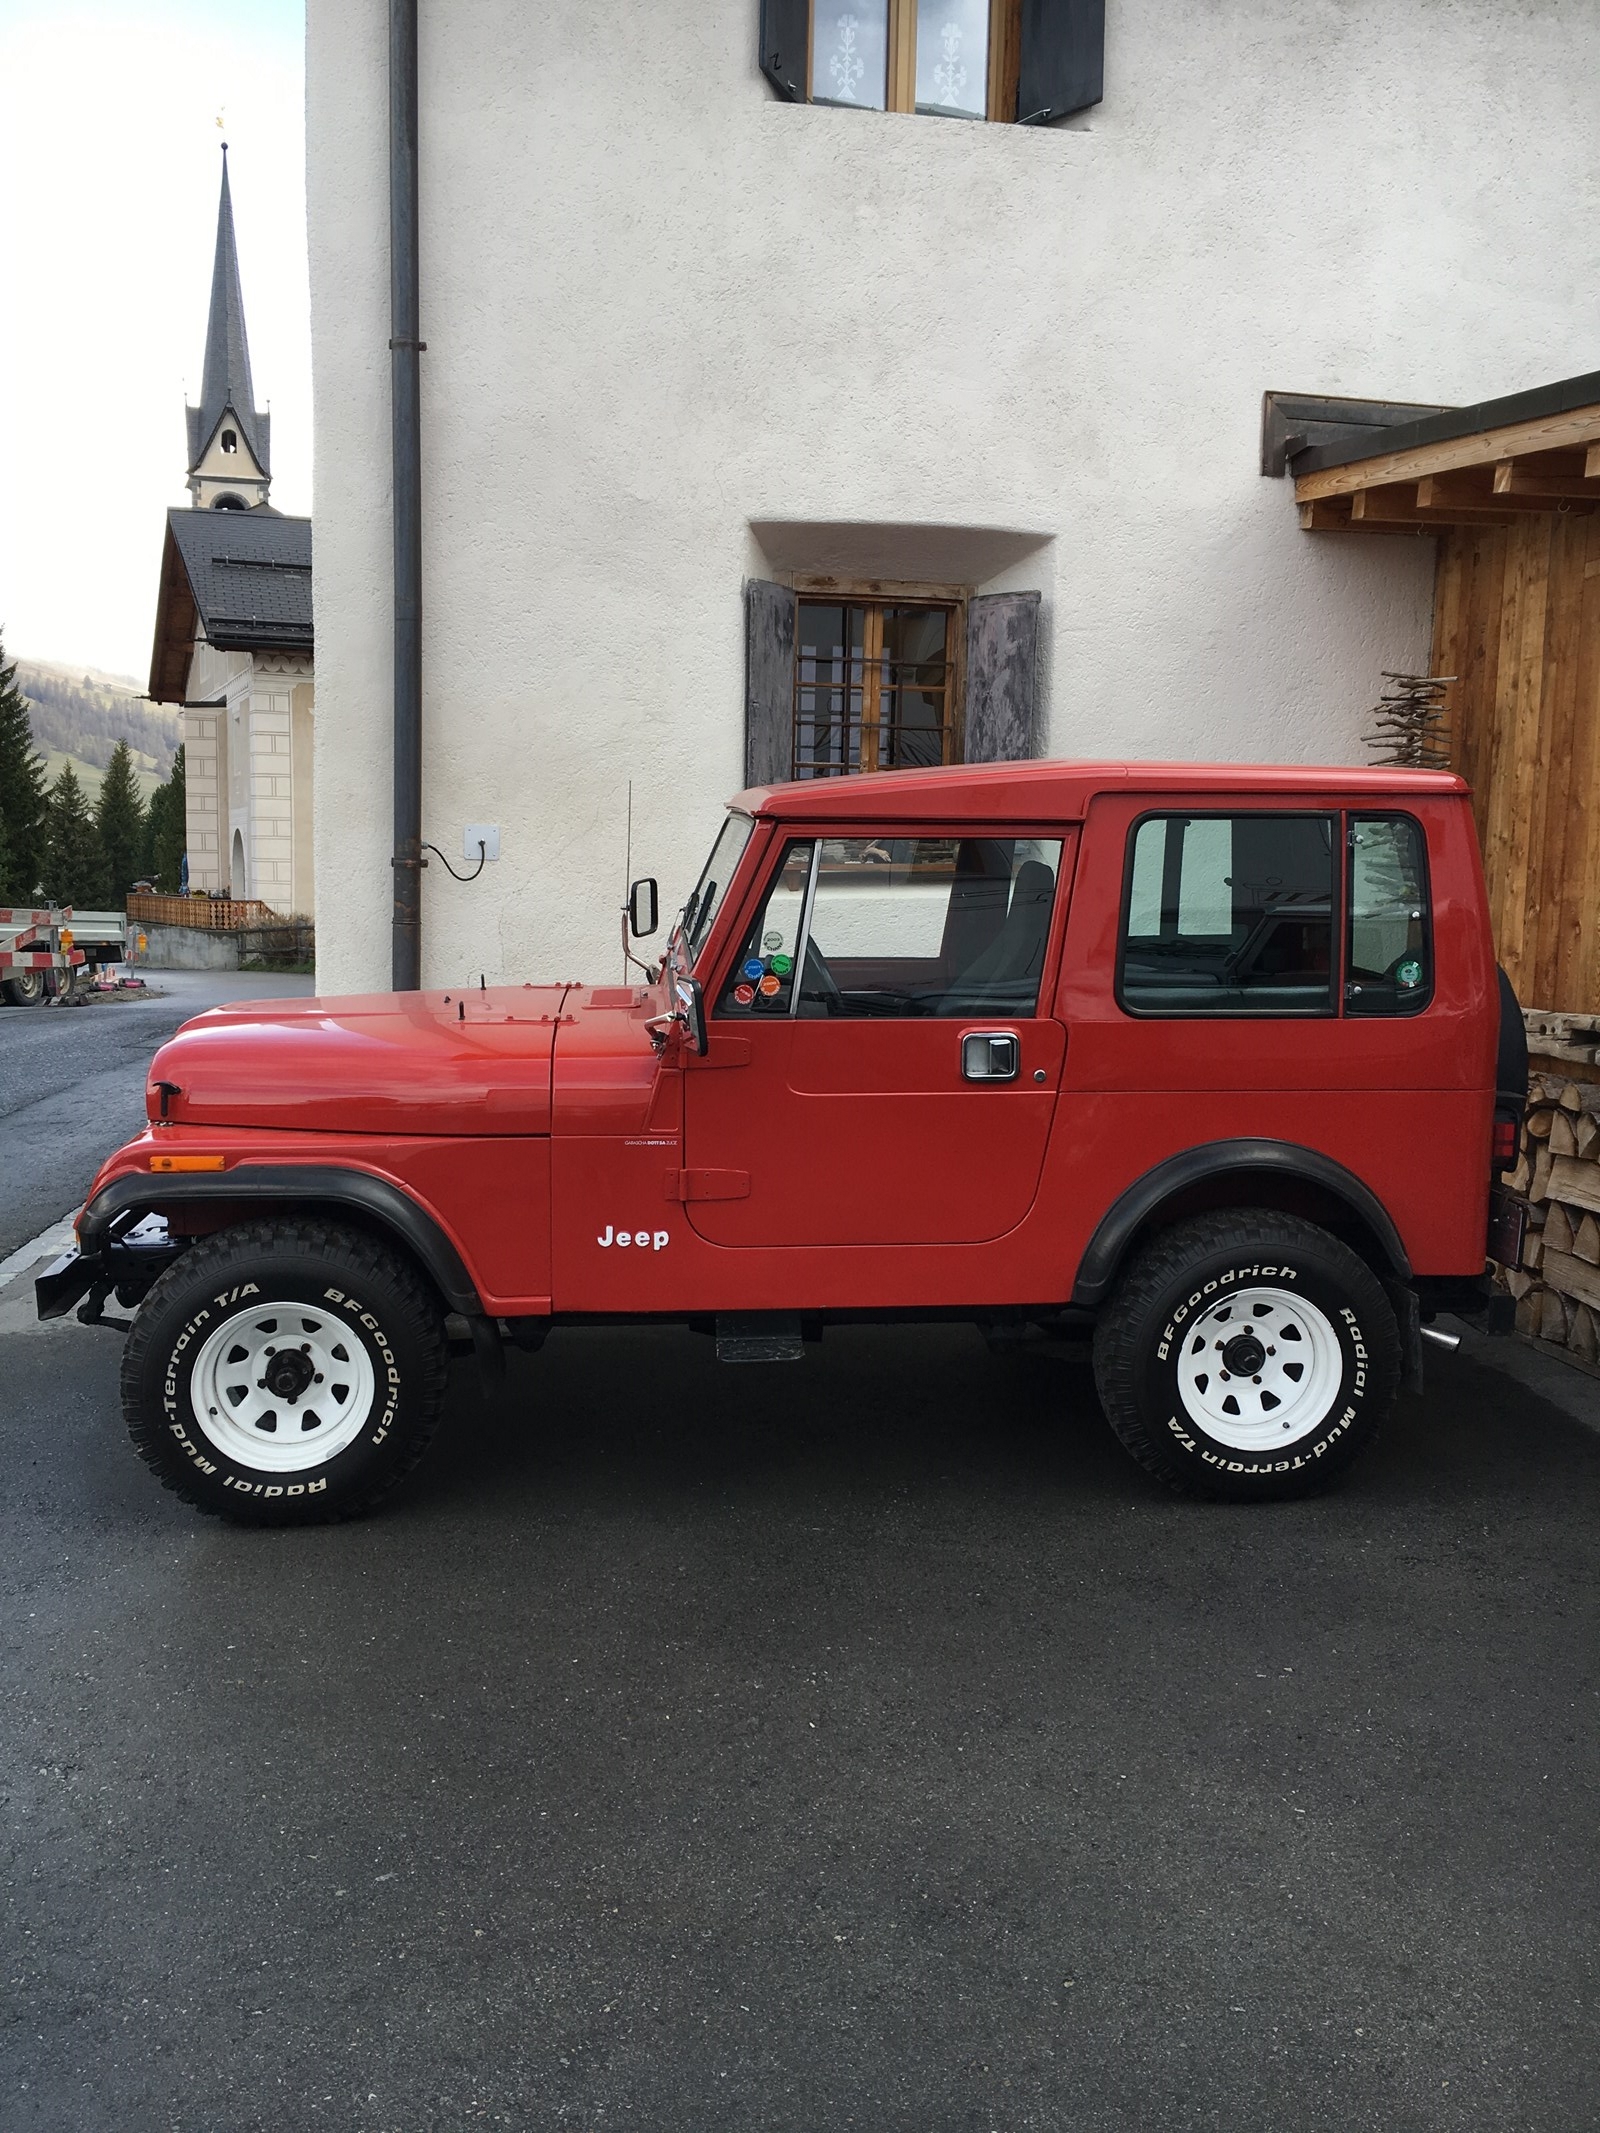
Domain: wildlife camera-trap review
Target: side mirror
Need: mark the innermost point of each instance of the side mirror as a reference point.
(643, 913)
(692, 1012)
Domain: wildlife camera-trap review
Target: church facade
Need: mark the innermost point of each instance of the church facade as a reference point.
(234, 641)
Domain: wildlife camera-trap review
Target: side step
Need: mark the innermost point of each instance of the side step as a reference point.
(760, 1337)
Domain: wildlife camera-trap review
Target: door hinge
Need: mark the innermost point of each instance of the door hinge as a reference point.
(708, 1184)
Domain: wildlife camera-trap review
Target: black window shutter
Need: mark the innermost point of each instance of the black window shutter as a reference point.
(785, 43)
(1002, 677)
(769, 621)
(1062, 59)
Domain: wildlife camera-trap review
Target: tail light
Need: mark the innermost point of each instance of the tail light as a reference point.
(1503, 1144)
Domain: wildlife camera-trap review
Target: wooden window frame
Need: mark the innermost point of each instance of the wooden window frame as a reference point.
(900, 87)
(874, 595)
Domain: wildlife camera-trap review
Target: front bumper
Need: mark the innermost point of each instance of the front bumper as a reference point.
(61, 1284)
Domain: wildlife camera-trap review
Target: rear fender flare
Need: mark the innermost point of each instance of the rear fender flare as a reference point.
(385, 1206)
(1243, 1160)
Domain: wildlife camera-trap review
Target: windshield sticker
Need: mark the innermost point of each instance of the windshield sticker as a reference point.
(744, 994)
(772, 940)
(782, 965)
(755, 969)
(769, 985)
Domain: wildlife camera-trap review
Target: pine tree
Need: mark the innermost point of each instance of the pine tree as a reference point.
(167, 830)
(74, 864)
(119, 820)
(22, 795)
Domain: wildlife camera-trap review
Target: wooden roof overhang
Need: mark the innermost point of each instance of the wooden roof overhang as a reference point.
(1484, 476)
(176, 619)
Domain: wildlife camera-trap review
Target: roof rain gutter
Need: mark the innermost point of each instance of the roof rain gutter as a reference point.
(405, 372)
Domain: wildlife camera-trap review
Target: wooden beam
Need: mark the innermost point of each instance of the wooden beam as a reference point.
(1578, 426)
(1474, 496)
(1396, 504)
(1591, 465)
(1521, 477)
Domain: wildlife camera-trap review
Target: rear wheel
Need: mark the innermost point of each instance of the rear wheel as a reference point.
(25, 989)
(285, 1373)
(1247, 1355)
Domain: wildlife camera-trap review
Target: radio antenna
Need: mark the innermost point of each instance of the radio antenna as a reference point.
(627, 882)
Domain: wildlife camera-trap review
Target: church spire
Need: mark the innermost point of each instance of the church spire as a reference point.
(229, 437)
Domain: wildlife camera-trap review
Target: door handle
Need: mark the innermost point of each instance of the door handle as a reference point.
(990, 1055)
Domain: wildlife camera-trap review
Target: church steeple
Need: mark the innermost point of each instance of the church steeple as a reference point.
(229, 436)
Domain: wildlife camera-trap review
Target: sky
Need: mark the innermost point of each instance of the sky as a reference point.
(110, 163)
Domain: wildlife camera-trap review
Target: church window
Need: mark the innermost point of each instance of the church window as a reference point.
(1024, 61)
(230, 441)
(227, 503)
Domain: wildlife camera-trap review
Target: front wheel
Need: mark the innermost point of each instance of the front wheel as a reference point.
(1247, 1355)
(25, 989)
(285, 1373)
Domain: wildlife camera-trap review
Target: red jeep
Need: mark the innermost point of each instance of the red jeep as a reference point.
(1211, 1059)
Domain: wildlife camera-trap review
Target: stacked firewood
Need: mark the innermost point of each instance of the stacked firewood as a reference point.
(1557, 1286)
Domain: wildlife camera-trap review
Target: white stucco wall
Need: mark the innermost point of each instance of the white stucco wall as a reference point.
(663, 308)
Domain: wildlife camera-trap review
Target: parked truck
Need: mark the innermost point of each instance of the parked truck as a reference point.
(1209, 1063)
(54, 952)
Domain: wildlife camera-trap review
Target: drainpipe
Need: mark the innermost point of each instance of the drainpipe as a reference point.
(405, 372)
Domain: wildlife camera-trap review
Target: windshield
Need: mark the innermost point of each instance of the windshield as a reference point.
(712, 886)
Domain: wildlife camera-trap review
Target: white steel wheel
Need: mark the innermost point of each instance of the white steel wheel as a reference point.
(283, 1387)
(1259, 1369)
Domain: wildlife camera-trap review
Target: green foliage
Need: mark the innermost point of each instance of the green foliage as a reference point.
(22, 796)
(166, 830)
(119, 821)
(74, 863)
(86, 718)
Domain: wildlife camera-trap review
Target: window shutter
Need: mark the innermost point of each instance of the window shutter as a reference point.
(1062, 59)
(1002, 677)
(768, 683)
(785, 42)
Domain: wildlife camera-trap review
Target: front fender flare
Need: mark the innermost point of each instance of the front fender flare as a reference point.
(289, 1185)
(1122, 1221)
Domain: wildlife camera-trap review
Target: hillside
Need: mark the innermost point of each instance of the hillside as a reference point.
(84, 714)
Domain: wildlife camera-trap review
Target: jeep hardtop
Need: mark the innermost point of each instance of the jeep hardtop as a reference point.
(1210, 1062)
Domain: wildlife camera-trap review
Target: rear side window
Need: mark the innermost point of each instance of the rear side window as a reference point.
(1390, 954)
(1229, 915)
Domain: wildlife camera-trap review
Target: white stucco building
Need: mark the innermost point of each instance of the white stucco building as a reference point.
(690, 334)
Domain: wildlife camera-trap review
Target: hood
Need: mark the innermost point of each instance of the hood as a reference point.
(469, 1062)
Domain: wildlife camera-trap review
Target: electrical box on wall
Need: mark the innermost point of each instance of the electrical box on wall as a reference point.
(485, 833)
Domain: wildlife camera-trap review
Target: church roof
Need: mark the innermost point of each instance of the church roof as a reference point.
(240, 579)
(225, 382)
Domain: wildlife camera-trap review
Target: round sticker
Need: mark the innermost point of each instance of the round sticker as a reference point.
(772, 940)
(769, 985)
(782, 965)
(1409, 972)
(755, 969)
(744, 994)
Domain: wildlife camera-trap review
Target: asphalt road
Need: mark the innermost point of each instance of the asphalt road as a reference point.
(72, 1086)
(856, 1743)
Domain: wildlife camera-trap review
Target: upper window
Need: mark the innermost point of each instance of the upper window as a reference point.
(900, 927)
(1229, 914)
(229, 441)
(976, 59)
(874, 687)
(1390, 954)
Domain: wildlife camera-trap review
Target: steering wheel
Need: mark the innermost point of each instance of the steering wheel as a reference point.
(817, 981)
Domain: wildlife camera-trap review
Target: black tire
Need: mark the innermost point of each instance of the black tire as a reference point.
(1163, 1343)
(26, 989)
(359, 1301)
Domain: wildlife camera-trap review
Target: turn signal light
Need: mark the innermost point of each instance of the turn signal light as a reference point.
(187, 1162)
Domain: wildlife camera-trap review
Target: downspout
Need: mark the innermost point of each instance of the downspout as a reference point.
(405, 372)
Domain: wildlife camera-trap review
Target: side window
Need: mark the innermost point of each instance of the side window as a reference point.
(1390, 958)
(901, 927)
(1229, 915)
(761, 981)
